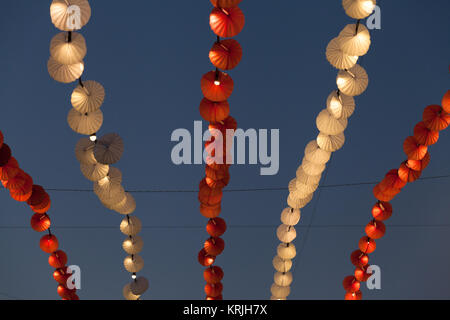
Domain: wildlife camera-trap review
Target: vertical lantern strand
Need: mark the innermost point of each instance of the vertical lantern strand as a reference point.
(343, 53)
(67, 51)
(435, 118)
(226, 21)
(21, 188)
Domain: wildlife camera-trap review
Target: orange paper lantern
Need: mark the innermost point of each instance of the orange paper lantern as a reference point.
(227, 22)
(217, 86)
(226, 54)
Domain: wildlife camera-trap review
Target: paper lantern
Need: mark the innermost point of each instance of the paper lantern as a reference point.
(109, 186)
(40, 222)
(446, 102)
(213, 274)
(290, 216)
(42, 207)
(350, 284)
(131, 226)
(210, 211)
(88, 97)
(328, 124)
(304, 178)
(217, 86)
(425, 136)
(435, 118)
(407, 174)
(5, 154)
(225, 3)
(226, 54)
(133, 245)
(214, 246)
(10, 169)
(209, 196)
(69, 15)
(419, 165)
(311, 168)
(413, 149)
(359, 258)
(353, 42)
(375, 229)
(84, 151)
(295, 193)
(353, 295)
(64, 73)
(68, 52)
(139, 286)
(286, 234)
(85, 123)
(361, 274)
(279, 291)
(281, 265)
(286, 251)
(316, 155)
(205, 259)
(337, 58)
(57, 259)
(22, 193)
(340, 105)
(305, 189)
(216, 227)
(133, 263)
(127, 294)
(65, 293)
(298, 203)
(381, 196)
(21, 183)
(392, 180)
(213, 289)
(367, 245)
(94, 172)
(359, 9)
(109, 148)
(227, 22)
(48, 243)
(352, 82)
(214, 111)
(330, 143)
(61, 275)
(113, 197)
(283, 279)
(381, 211)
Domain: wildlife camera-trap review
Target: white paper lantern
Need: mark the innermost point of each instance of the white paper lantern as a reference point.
(290, 216)
(286, 251)
(140, 285)
(133, 263)
(68, 52)
(133, 245)
(305, 189)
(328, 124)
(283, 279)
(279, 291)
(311, 168)
(127, 294)
(94, 171)
(359, 9)
(340, 105)
(353, 82)
(354, 43)
(281, 264)
(112, 196)
(303, 177)
(88, 97)
(316, 155)
(298, 203)
(69, 15)
(337, 58)
(65, 73)
(109, 186)
(84, 151)
(301, 193)
(126, 207)
(109, 148)
(330, 143)
(131, 226)
(286, 234)
(85, 123)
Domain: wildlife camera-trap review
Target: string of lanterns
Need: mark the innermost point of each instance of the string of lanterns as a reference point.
(22, 189)
(435, 118)
(226, 21)
(352, 80)
(67, 51)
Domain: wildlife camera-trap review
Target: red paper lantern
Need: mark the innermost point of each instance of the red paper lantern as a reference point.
(214, 246)
(213, 289)
(353, 295)
(5, 154)
(227, 22)
(48, 243)
(205, 259)
(62, 275)
(217, 86)
(413, 149)
(375, 229)
(392, 181)
(209, 196)
(38, 195)
(210, 211)
(219, 297)
(407, 174)
(359, 258)
(40, 222)
(425, 136)
(57, 259)
(65, 292)
(367, 245)
(9, 170)
(382, 211)
(226, 54)
(419, 165)
(213, 274)
(44, 206)
(446, 102)
(361, 274)
(216, 227)
(214, 111)
(350, 284)
(435, 118)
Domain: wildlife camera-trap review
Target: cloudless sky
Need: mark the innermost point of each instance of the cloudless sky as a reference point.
(150, 55)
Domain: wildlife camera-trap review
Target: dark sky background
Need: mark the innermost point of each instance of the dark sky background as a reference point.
(150, 56)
